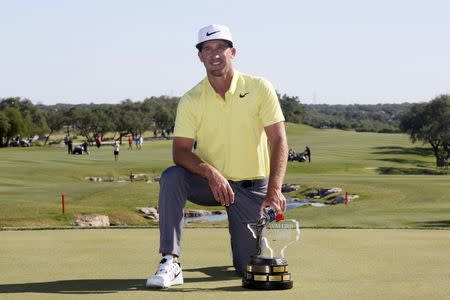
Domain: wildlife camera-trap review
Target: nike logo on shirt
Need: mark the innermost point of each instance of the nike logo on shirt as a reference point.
(243, 95)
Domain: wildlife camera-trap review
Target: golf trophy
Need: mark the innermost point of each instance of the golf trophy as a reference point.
(268, 268)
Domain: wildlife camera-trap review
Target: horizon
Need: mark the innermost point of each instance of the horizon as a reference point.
(161, 96)
(327, 52)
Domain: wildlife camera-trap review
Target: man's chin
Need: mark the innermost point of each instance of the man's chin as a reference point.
(218, 72)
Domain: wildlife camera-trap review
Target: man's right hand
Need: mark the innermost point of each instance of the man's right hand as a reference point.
(221, 188)
(183, 156)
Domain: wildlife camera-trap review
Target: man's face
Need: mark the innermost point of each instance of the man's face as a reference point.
(217, 55)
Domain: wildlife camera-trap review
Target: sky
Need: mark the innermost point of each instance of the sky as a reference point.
(323, 52)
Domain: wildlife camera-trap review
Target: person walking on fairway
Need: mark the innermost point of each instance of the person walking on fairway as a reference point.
(116, 149)
(239, 161)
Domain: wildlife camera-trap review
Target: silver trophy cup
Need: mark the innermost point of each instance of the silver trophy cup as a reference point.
(268, 268)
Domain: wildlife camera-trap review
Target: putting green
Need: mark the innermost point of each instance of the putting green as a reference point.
(325, 264)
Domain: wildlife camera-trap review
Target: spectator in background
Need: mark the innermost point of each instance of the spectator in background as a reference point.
(130, 142)
(86, 147)
(69, 145)
(308, 153)
(116, 147)
(141, 142)
(98, 141)
(137, 140)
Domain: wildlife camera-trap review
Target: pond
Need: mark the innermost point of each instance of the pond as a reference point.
(223, 217)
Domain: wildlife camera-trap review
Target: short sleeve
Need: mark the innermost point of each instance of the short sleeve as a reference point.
(270, 109)
(185, 122)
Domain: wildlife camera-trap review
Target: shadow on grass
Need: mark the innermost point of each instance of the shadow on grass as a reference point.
(435, 224)
(416, 162)
(403, 150)
(217, 273)
(408, 171)
(423, 168)
(108, 286)
(76, 286)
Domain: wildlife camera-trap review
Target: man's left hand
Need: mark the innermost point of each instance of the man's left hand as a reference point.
(276, 200)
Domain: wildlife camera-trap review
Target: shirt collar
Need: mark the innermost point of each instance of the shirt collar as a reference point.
(233, 85)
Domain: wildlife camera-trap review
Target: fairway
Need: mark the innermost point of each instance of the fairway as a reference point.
(398, 185)
(325, 264)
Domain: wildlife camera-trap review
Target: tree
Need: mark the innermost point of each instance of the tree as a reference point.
(82, 119)
(32, 118)
(430, 123)
(13, 123)
(128, 118)
(4, 129)
(105, 117)
(55, 121)
(293, 110)
(162, 112)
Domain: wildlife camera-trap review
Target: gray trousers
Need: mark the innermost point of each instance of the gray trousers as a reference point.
(178, 185)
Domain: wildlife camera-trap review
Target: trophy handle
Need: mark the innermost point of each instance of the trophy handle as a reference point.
(251, 229)
(257, 235)
(297, 236)
(266, 243)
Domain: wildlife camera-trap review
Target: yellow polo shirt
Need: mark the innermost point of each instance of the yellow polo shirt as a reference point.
(230, 133)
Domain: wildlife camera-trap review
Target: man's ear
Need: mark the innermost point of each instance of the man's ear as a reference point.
(200, 56)
(233, 52)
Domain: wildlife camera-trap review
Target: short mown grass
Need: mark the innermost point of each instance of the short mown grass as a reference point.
(324, 264)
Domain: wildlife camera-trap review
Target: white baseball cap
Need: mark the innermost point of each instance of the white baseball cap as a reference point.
(214, 32)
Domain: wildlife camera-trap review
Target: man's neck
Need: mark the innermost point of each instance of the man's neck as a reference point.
(221, 84)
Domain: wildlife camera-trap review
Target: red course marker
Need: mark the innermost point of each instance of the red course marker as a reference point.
(63, 204)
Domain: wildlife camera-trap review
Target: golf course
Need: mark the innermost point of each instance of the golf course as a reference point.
(390, 242)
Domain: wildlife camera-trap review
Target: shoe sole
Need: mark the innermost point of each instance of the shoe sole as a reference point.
(176, 281)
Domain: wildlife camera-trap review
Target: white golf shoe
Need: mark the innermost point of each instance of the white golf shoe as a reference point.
(168, 273)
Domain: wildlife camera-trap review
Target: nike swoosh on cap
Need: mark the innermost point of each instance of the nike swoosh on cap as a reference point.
(211, 33)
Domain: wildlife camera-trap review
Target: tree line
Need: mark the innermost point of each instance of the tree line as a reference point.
(382, 118)
(21, 118)
(426, 122)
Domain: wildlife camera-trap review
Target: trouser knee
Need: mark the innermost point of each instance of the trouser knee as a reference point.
(173, 176)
